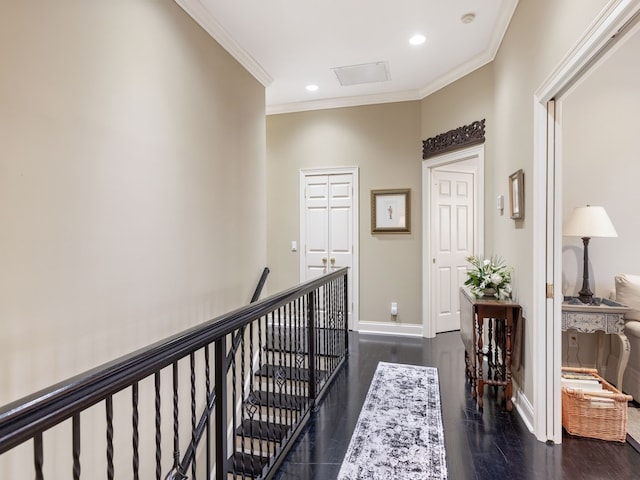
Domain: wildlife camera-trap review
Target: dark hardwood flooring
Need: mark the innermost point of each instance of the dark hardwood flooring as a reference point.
(487, 444)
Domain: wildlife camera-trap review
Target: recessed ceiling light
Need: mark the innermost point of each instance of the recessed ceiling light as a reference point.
(468, 17)
(417, 39)
(312, 88)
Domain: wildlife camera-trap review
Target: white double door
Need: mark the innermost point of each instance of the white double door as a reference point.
(328, 227)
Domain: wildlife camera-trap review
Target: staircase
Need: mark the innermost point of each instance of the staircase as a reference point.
(279, 393)
(227, 397)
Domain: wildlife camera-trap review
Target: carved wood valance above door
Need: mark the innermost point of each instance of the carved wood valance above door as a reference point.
(461, 137)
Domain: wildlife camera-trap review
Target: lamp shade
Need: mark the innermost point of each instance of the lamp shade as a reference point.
(589, 221)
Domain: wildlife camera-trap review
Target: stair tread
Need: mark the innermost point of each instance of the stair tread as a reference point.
(279, 400)
(245, 463)
(329, 342)
(262, 430)
(290, 373)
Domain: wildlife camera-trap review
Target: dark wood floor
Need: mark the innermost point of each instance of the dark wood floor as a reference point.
(480, 444)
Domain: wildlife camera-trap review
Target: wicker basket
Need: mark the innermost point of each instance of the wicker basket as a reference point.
(585, 414)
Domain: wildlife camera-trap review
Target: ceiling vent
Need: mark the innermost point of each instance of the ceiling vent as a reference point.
(365, 73)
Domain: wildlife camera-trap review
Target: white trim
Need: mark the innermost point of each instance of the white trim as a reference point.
(547, 401)
(355, 207)
(523, 406)
(476, 154)
(203, 17)
(388, 328)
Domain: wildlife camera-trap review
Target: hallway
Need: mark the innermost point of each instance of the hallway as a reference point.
(480, 445)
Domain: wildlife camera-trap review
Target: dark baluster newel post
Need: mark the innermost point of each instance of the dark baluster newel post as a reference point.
(220, 386)
(311, 343)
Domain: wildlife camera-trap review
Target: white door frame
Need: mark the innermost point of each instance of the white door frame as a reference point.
(354, 272)
(547, 212)
(475, 153)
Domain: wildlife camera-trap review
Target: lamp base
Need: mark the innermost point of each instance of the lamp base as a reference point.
(585, 296)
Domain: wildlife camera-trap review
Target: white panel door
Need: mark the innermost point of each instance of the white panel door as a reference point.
(452, 238)
(327, 225)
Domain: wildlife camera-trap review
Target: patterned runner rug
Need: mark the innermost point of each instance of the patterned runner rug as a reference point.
(399, 433)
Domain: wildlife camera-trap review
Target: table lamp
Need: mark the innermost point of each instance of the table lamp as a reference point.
(587, 222)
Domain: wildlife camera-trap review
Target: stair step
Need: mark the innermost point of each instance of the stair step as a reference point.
(329, 342)
(279, 400)
(262, 430)
(290, 373)
(247, 464)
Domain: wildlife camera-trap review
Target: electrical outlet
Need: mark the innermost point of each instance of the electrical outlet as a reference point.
(573, 340)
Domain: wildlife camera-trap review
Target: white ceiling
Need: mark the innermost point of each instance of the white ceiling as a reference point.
(288, 44)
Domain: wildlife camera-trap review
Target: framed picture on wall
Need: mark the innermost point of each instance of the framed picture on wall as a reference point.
(391, 211)
(516, 194)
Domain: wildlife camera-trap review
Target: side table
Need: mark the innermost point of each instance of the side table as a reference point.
(473, 312)
(602, 315)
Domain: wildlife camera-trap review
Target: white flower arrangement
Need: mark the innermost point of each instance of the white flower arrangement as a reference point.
(485, 275)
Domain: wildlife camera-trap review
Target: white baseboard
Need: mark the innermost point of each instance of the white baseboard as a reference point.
(388, 328)
(523, 406)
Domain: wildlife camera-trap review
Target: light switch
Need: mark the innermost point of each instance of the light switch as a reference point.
(294, 246)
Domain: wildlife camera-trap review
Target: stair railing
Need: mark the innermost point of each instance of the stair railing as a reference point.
(216, 407)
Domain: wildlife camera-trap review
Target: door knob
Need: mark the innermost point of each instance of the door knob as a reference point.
(324, 260)
(333, 260)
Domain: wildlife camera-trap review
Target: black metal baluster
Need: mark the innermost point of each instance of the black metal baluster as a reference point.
(38, 456)
(136, 434)
(192, 366)
(251, 380)
(261, 351)
(75, 426)
(311, 347)
(176, 421)
(243, 376)
(269, 400)
(158, 422)
(207, 370)
(234, 402)
(220, 385)
(323, 347)
(302, 360)
(345, 313)
(337, 328)
(109, 413)
(277, 367)
(288, 361)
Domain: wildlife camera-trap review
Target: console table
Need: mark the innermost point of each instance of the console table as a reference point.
(501, 315)
(602, 315)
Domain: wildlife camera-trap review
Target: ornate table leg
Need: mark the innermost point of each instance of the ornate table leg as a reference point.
(508, 389)
(480, 374)
(623, 359)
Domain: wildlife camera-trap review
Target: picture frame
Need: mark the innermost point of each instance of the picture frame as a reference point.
(391, 210)
(516, 194)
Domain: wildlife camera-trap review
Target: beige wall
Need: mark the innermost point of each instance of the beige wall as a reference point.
(132, 183)
(540, 35)
(600, 167)
(383, 141)
(461, 103)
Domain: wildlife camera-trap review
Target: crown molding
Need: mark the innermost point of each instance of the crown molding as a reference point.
(201, 15)
(356, 101)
